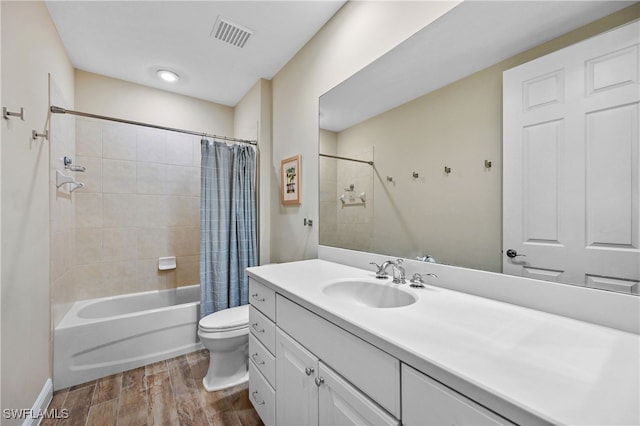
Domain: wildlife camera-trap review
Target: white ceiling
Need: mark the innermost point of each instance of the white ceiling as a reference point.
(472, 36)
(130, 40)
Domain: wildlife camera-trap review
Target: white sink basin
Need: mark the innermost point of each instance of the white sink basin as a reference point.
(371, 294)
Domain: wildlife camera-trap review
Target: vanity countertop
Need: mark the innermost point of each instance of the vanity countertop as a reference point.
(530, 366)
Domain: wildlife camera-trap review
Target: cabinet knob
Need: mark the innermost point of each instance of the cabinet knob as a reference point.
(309, 371)
(257, 297)
(259, 402)
(256, 359)
(319, 381)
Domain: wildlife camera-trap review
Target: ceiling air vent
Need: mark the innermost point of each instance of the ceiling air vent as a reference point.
(231, 33)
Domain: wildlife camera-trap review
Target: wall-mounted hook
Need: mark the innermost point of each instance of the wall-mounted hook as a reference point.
(6, 113)
(35, 135)
(447, 170)
(350, 188)
(308, 222)
(415, 175)
(487, 164)
(389, 178)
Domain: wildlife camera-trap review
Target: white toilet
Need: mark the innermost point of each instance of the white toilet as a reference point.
(226, 335)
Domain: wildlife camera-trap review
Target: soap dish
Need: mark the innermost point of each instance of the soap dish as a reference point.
(166, 263)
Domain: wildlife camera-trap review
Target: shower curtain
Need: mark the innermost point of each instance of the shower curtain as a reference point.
(228, 241)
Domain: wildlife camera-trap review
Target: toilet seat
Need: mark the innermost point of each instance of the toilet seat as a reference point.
(230, 319)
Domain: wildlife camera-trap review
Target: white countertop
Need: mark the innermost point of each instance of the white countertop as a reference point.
(528, 365)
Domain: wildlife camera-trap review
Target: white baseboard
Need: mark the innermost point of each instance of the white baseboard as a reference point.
(40, 405)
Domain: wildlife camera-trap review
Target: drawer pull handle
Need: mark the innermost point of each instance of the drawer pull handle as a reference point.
(253, 394)
(309, 371)
(256, 359)
(255, 327)
(319, 381)
(259, 299)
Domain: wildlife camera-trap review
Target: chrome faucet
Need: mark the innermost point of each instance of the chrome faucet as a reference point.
(397, 270)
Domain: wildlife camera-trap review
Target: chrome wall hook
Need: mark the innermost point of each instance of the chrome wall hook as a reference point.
(6, 113)
(35, 135)
(447, 170)
(487, 164)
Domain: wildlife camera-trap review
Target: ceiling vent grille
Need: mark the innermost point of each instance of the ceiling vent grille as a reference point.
(231, 33)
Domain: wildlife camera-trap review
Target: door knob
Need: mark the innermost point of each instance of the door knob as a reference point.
(512, 253)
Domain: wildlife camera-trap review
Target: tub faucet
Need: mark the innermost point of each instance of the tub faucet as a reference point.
(397, 270)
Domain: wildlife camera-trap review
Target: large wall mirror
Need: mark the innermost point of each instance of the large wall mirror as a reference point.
(411, 146)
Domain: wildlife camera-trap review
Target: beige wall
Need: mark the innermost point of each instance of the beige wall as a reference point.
(31, 49)
(456, 217)
(102, 95)
(252, 120)
(358, 34)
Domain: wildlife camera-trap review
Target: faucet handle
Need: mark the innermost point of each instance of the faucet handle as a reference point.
(418, 282)
(380, 273)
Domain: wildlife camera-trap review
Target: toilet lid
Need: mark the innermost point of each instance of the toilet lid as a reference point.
(227, 319)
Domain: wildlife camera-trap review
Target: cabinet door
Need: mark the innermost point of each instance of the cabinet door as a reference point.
(426, 402)
(297, 393)
(342, 404)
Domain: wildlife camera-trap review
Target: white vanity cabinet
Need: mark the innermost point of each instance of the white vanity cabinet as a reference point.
(311, 393)
(290, 381)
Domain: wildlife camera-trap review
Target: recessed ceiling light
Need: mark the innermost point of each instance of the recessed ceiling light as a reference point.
(168, 76)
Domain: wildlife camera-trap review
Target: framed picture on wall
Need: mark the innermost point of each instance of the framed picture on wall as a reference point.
(290, 180)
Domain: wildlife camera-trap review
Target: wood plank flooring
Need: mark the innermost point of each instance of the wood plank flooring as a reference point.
(164, 393)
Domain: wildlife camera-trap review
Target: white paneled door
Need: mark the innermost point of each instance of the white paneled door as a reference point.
(570, 185)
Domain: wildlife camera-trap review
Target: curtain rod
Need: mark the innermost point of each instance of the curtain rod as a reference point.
(345, 158)
(59, 110)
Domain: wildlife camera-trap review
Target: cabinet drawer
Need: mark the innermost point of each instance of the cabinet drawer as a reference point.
(263, 329)
(263, 360)
(426, 402)
(263, 298)
(373, 371)
(262, 396)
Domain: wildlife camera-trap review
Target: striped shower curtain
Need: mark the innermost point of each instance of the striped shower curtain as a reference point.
(228, 222)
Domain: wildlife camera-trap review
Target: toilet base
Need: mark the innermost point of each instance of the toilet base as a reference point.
(219, 385)
(227, 368)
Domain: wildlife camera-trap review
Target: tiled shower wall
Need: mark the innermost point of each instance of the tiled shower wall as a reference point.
(61, 208)
(141, 202)
(354, 223)
(348, 225)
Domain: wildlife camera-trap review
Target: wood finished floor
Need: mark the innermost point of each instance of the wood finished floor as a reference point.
(164, 393)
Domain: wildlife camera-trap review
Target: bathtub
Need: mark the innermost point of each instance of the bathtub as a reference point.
(104, 336)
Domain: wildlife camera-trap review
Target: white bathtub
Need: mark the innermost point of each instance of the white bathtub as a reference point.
(104, 336)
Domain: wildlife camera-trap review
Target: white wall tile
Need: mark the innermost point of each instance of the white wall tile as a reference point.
(151, 146)
(119, 176)
(88, 138)
(151, 178)
(119, 142)
(179, 149)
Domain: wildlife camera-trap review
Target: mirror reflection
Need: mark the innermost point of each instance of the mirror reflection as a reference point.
(435, 189)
